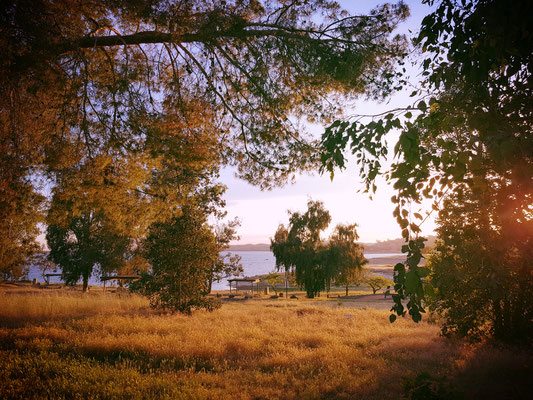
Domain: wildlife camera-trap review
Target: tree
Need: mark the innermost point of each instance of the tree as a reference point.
(316, 263)
(21, 210)
(479, 274)
(347, 255)
(182, 254)
(350, 277)
(376, 282)
(273, 278)
(471, 122)
(88, 241)
(81, 79)
(301, 249)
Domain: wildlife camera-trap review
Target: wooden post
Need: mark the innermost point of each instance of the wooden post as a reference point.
(286, 285)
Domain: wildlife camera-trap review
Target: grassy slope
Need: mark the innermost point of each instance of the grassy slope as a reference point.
(59, 344)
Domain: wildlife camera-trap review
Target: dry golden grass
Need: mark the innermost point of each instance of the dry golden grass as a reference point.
(65, 345)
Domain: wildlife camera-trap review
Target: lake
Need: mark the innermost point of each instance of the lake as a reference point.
(253, 262)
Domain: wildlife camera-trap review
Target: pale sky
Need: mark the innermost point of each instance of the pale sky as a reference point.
(260, 212)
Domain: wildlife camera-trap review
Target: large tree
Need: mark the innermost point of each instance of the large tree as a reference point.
(86, 242)
(316, 263)
(93, 75)
(470, 124)
(480, 275)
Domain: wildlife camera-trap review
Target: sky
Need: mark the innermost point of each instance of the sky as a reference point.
(260, 212)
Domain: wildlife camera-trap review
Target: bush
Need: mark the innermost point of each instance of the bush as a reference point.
(182, 254)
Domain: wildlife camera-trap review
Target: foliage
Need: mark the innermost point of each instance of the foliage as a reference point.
(86, 242)
(376, 282)
(316, 263)
(301, 249)
(347, 255)
(121, 197)
(480, 274)
(273, 278)
(21, 209)
(82, 79)
(471, 122)
(182, 254)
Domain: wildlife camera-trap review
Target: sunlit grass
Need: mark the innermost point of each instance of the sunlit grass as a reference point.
(112, 346)
(61, 303)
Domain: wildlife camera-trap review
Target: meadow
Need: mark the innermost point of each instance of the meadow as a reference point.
(62, 344)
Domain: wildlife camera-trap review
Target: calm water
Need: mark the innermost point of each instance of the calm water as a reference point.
(253, 262)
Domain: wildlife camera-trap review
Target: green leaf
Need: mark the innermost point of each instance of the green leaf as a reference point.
(399, 267)
(422, 106)
(408, 114)
(422, 272)
(411, 282)
(392, 318)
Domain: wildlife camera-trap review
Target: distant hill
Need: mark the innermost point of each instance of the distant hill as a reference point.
(386, 246)
(250, 247)
(392, 245)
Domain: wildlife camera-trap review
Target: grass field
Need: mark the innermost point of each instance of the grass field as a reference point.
(63, 344)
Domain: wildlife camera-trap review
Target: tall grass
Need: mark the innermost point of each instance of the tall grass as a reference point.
(24, 305)
(114, 347)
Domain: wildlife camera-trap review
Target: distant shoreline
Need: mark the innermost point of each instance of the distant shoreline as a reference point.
(380, 247)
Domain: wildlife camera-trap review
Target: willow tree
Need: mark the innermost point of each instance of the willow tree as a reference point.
(299, 248)
(315, 262)
(347, 256)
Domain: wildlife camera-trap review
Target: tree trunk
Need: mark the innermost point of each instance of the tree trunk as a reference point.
(210, 285)
(498, 324)
(85, 283)
(346, 290)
